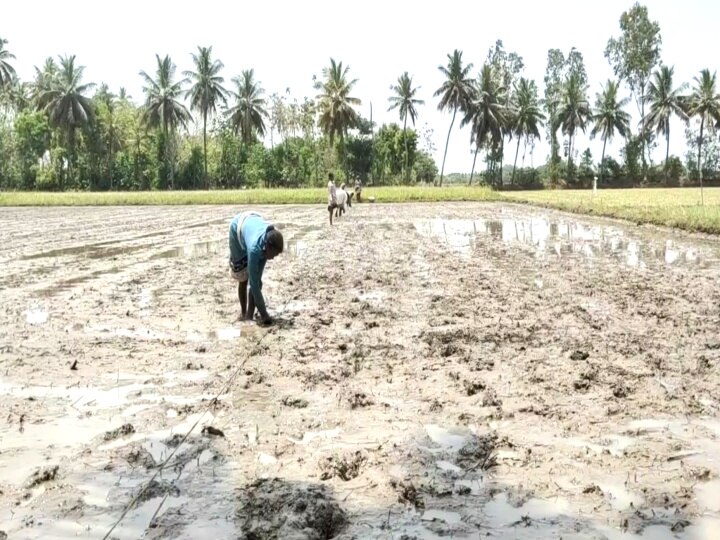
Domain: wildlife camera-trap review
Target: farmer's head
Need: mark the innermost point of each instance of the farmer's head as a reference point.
(331, 177)
(273, 243)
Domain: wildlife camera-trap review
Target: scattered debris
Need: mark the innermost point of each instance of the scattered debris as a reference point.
(407, 493)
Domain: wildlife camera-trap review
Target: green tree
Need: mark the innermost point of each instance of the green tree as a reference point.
(67, 106)
(705, 103)
(527, 116)
(247, 116)
(609, 116)
(336, 105)
(32, 140)
(7, 71)
(456, 93)
(486, 112)
(507, 66)
(633, 56)
(425, 168)
(206, 92)
(573, 112)
(558, 71)
(405, 101)
(163, 108)
(665, 101)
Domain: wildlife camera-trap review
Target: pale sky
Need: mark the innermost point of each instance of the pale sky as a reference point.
(286, 42)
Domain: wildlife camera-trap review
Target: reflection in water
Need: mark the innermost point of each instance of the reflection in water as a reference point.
(562, 238)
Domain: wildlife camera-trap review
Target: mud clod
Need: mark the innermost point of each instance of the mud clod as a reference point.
(273, 509)
(592, 489)
(211, 431)
(345, 466)
(42, 475)
(157, 489)
(122, 431)
(407, 493)
(479, 453)
(295, 402)
(578, 356)
(473, 387)
(358, 400)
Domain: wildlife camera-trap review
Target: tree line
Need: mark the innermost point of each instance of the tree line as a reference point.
(59, 132)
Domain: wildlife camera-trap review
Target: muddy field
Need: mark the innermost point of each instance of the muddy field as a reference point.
(437, 371)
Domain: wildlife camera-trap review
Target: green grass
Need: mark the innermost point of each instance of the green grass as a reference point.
(672, 207)
(250, 196)
(668, 207)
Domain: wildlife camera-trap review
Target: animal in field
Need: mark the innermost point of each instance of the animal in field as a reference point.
(343, 201)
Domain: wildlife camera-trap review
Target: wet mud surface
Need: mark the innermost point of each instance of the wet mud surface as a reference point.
(437, 371)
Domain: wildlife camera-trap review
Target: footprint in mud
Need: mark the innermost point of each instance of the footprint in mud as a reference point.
(344, 466)
(275, 509)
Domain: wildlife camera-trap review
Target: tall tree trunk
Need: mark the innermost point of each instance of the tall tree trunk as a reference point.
(447, 142)
(522, 163)
(502, 160)
(517, 151)
(700, 171)
(642, 131)
(205, 145)
(602, 159)
(472, 171)
(667, 151)
(406, 147)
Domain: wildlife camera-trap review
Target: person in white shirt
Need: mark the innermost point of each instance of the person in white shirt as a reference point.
(332, 198)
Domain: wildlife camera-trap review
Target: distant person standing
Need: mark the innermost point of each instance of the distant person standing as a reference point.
(358, 190)
(332, 195)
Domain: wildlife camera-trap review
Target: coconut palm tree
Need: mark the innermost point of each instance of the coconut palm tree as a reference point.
(486, 111)
(527, 115)
(609, 116)
(455, 93)
(163, 108)
(68, 108)
(248, 114)
(7, 72)
(207, 91)
(704, 101)
(573, 112)
(336, 105)
(665, 101)
(405, 101)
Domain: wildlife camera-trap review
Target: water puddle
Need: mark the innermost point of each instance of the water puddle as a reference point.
(67, 284)
(36, 316)
(708, 496)
(196, 249)
(450, 518)
(449, 439)
(129, 333)
(562, 237)
(226, 333)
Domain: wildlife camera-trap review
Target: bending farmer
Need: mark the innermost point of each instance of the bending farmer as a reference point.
(253, 241)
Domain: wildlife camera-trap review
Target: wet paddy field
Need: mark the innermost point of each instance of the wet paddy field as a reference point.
(437, 371)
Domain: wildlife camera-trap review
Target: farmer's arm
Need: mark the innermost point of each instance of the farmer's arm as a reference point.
(256, 265)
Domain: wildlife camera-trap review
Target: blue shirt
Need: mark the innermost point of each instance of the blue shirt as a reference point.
(251, 248)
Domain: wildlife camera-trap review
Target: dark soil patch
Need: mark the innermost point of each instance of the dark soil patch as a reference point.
(122, 431)
(42, 475)
(345, 466)
(273, 509)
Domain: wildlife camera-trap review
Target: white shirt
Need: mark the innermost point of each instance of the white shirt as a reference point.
(331, 192)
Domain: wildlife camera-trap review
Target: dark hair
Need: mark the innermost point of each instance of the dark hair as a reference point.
(331, 176)
(274, 240)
